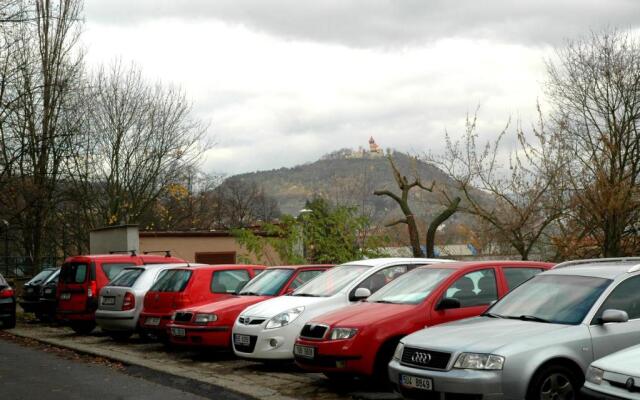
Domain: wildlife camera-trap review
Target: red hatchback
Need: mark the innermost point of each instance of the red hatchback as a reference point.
(360, 339)
(82, 277)
(178, 288)
(210, 324)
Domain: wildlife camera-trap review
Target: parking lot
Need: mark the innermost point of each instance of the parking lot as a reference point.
(255, 380)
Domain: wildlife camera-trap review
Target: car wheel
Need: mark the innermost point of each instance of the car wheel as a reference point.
(383, 358)
(9, 323)
(554, 382)
(120, 336)
(145, 336)
(83, 328)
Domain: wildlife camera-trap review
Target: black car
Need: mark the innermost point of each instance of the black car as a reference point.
(48, 298)
(7, 305)
(30, 300)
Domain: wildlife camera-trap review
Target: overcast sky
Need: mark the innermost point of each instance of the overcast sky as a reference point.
(283, 82)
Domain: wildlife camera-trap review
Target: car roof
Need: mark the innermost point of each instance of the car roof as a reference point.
(217, 267)
(493, 263)
(379, 262)
(120, 256)
(301, 266)
(609, 268)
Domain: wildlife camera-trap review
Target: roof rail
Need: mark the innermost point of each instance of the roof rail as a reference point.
(133, 252)
(167, 253)
(595, 261)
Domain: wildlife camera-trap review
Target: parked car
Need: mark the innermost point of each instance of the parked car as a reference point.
(614, 377)
(360, 339)
(30, 299)
(182, 287)
(268, 330)
(210, 324)
(534, 343)
(48, 297)
(120, 302)
(82, 277)
(7, 305)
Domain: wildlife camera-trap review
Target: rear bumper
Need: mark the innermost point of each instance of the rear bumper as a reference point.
(69, 316)
(206, 336)
(7, 308)
(30, 305)
(165, 318)
(334, 356)
(117, 320)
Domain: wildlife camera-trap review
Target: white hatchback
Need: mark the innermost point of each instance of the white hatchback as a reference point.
(616, 376)
(268, 330)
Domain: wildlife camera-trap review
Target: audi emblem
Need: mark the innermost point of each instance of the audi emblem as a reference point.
(421, 358)
(630, 384)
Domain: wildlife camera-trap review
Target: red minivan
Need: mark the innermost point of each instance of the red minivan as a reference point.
(82, 277)
(210, 324)
(359, 340)
(178, 288)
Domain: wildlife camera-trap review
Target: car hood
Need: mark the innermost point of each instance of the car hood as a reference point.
(366, 314)
(479, 334)
(273, 307)
(228, 304)
(624, 362)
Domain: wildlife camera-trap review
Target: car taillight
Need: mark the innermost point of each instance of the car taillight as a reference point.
(93, 288)
(6, 293)
(129, 301)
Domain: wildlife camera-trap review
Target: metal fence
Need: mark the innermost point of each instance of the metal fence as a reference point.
(24, 267)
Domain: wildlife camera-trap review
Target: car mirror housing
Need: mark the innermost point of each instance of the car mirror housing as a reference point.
(448, 303)
(361, 294)
(614, 316)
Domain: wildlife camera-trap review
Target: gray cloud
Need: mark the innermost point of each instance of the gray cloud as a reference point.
(386, 23)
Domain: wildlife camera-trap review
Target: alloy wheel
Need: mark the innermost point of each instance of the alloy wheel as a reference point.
(557, 387)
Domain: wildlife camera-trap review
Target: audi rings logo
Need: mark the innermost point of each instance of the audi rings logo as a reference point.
(421, 358)
(630, 384)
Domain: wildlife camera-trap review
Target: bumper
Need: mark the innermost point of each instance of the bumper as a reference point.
(29, 305)
(206, 336)
(117, 320)
(70, 316)
(337, 356)
(486, 385)
(589, 392)
(7, 308)
(160, 328)
(267, 344)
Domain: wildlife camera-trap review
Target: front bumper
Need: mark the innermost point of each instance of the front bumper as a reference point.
(606, 392)
(267, 344)
(337, 356)
(201, 335)
(485, 385)
(117, 320)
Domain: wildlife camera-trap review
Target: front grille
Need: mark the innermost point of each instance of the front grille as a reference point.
(183, 317)
(426, 359)
(314, 331)
(621, 385)
(250, 321)
(245, 348)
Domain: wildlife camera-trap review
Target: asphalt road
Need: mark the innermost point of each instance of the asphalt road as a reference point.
(31, 373)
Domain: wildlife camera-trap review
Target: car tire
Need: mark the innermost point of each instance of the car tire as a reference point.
(145, 336)
(554, 381)
(83, 328)
(381, 365)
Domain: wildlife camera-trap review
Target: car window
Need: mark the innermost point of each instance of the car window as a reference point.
(230, 281)
(111, 270)
(172, 280)
(40, 277)
(625, 297)
(332, 281)
(2, 281)
(304, 277)
(412, 287)
(268, 283)
(474, 289)
(376, 281)
(74, 273)
(516, 276)
(127, 278)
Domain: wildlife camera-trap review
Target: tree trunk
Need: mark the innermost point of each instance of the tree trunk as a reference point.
(439, 220)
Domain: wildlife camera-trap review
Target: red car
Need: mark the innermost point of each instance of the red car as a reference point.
(82, 277)
(178, 288)
(210, 324)
(359, 340)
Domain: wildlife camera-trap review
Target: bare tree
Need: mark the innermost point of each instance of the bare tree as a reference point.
(594, 84)
(244, 203)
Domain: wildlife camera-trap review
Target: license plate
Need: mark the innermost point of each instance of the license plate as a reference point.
(415, 382)
(304, 351)
(65, 296)
(29, 290)
(242, 340)
(48, 291)
(178, 332)
(152, 321)
(108, 301)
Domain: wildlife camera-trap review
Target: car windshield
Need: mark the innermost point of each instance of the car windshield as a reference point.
(268, 283)
(40, 277)
(172, 280)
(412, 287)
(332, 281)
(560, 299)
(52, 277)
(127, 278)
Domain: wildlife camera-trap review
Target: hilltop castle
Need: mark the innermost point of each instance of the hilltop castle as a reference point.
(374, 151)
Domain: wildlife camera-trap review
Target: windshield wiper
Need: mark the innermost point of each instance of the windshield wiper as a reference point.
(491, 315)
(249, 294)
(306, 295)
(533, 318)
(383, 302)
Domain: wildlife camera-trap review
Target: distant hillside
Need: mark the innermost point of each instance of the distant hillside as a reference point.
(349, 177)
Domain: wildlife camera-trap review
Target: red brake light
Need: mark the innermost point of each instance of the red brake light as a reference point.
(6, 293)
(129, 301)
(93, 289)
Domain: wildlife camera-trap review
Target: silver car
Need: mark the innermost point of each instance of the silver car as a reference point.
(120, 302)
(535, 343)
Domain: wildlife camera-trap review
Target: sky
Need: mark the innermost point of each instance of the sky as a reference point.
(282, 82)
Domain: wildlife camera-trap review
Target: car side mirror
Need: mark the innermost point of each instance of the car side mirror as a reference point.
(612, 315)
(361, 293)
(448, 303)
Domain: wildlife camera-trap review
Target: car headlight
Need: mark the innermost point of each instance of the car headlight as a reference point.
(284, 318)
(342, 333)
(205, 318)
(397, 355)
(594, 375)
(173, 317)
(479, 361)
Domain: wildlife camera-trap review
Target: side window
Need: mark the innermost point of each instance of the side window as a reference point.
(111, 270)
(474, 289)
(382, 277)
(230, 281)
(625, 297)
(304, 277)
(516, 276)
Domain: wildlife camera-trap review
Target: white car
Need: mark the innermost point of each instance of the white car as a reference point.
(616, 376)
(268, 330)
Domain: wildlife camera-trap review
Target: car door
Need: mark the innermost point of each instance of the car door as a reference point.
(475, 291)
(611, 337)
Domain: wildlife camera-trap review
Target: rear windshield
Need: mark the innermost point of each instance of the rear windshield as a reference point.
(127, 277)
(74, 273)
(2, 281)
(111, 270)
(172, 280)
(41, 277)
(53, 277)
